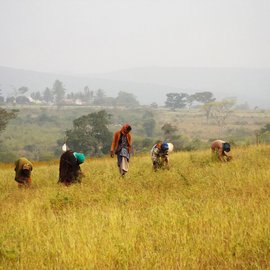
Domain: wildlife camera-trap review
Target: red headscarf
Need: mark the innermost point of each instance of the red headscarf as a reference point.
(126, 128)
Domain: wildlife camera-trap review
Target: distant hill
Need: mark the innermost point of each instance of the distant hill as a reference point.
(151, 84)
(247, 84)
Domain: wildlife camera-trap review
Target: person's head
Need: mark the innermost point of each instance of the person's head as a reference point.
(126, 128)
(226, 147)
(80, 157)
(164, 147)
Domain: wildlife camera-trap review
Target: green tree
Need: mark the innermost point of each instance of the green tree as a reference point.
(190, 100)
(126, 99)
(22, 90)
(149, 126)
(148, 114)
(265, 128)
(48, 95)
(154, 105)
(22, 100)
(2, 99)
(90, 134)
(59, 91)
(176, 100)
(99, 97)
(263, 134)
(36, 96)
(11, 100)
(5, 116)
(88, 95)
(169, 131)
(204, 97)
(148, 123)
(221, 110)
(206, 108)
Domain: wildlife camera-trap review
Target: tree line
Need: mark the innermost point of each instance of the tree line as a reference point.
(57, 95)
(91, 135)
(183, 100)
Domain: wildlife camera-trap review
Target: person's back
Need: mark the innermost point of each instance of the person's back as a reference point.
(155, 150)
(23, 169)
(217, 144)
(159, 155)
(220, 147)
(69, 169)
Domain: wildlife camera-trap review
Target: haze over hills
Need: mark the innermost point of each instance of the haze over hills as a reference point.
(152, 83)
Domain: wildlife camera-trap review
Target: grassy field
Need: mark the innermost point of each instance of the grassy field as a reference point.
(200, 214)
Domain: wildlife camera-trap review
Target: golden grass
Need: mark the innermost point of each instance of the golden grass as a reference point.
(197, 215)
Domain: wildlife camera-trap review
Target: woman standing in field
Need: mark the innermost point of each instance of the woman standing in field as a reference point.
(121, 146)
(23, 169)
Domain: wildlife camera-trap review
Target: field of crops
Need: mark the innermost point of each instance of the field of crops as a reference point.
(199, 214)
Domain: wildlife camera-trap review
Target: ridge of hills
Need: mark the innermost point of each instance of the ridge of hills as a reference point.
(151, 84)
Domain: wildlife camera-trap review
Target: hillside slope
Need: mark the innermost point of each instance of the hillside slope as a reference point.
(151, 84)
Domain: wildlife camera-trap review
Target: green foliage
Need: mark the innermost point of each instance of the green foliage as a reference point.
(2, 99)
(149, 126)
(22, 90)
(22, 100)
(48, 95)
(44, 118)
(169, 131)
(5, 116)
(36, 96)
(35, 130)
(206, 108)
(266, 128)
(10, 100)
(204, 97)
(59, 91)
(142, 144)
(99, 97)
(7, 156)
(148, 123)
(88, 95)
(176, 100)
(220, 110)
(90, 134)
(126, 99)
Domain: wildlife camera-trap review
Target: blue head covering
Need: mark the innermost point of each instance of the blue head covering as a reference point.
(164, 147)
(80, 157)
(226, 147)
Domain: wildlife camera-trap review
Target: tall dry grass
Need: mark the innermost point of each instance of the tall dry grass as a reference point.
(200, 214)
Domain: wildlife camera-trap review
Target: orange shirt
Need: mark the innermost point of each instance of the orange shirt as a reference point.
(116, 138)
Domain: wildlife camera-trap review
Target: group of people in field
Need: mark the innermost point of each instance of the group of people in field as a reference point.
(70, 161)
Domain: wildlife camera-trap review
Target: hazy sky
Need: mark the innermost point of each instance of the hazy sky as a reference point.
(89, 36)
